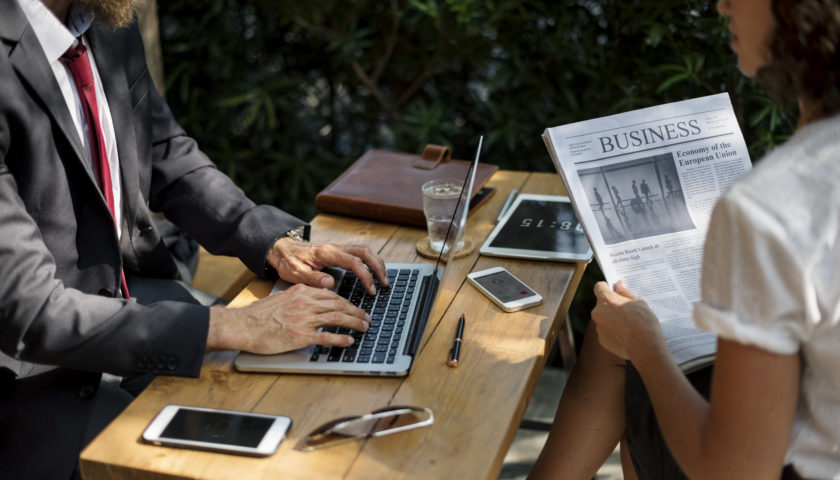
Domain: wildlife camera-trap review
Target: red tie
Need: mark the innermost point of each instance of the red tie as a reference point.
(76, 59)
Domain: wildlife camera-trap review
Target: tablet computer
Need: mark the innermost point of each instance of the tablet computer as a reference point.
(542, 227)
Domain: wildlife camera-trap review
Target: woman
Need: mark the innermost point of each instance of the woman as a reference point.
(770, 291)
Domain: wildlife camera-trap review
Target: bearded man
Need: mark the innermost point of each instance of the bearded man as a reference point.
(87, 149)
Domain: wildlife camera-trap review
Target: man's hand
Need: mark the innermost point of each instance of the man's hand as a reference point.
(624, 322)
(301, 262)
(285, 321)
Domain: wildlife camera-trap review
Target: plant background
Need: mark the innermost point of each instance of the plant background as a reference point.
(283, 95)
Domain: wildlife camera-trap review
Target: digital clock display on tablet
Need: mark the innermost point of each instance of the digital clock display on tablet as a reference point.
(541, 227)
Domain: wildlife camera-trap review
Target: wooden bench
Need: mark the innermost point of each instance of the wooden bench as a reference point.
(221, 276)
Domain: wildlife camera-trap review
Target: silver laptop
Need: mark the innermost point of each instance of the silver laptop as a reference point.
(398, 315)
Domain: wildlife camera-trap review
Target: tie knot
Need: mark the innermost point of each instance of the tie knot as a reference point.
(74, 52)
(76, 59)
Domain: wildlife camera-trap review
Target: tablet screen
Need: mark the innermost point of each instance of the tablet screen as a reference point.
(542, 227)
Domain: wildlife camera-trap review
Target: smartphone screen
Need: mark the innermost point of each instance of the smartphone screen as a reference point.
(479, 198)
(504, 286)
(216, 427)
(217, 430)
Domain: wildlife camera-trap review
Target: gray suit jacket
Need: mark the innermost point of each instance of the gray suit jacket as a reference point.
(60, 260)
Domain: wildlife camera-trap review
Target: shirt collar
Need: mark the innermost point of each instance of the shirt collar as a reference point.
(55, 38)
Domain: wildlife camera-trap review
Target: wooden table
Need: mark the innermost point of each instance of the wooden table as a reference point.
(477, 406)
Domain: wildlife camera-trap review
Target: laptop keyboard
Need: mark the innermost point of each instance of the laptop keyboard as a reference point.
(389, 317)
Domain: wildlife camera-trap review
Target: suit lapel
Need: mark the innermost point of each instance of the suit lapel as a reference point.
(108, 53)
(27, 58)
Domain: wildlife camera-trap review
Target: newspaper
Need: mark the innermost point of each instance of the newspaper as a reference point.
(643, 184)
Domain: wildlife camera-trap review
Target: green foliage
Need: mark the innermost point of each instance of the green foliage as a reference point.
(283, 95)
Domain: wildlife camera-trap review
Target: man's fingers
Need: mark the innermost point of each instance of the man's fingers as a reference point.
(323, 280)
(295, 270)
(301, 263)
(322, 300)
(312, 278)
(333, 339)
(347, 316)
(357, 266)
(356, 320)
(346, 256)
(341, 313)
(327, 308)
(376, 264)
(354, 258)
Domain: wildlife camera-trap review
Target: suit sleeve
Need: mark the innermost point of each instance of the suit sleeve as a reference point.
(188, 188)
(44, 321)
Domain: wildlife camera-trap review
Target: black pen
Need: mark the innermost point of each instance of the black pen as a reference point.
(455, 352)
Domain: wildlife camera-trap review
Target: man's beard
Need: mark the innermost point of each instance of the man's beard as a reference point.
(117, 13)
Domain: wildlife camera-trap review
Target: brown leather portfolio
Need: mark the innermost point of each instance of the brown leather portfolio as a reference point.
(384, 185)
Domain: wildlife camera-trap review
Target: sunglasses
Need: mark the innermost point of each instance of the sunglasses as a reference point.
(377, 423)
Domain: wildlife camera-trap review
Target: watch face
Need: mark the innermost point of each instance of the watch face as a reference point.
(542, 225)
(298, 233)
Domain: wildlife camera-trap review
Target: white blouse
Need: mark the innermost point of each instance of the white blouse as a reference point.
(770, 279)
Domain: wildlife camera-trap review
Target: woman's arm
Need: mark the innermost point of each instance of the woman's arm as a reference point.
(743, 432)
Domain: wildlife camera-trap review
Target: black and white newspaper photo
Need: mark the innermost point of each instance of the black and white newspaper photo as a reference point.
(643, 184)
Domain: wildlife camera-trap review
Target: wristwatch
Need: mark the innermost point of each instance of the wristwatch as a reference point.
(298, 233)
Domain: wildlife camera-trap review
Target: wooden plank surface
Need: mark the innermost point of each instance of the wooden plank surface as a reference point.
(221, 276)
(477, 406)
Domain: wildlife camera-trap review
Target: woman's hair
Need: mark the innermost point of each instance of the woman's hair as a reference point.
(805, 51)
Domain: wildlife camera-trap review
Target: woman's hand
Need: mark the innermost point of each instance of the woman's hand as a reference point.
(625, 323)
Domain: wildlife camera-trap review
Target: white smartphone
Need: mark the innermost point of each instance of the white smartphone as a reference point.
(506, 291)
(224, 431)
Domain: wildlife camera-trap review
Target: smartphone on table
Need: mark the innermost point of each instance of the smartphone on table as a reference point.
(226, 431)
(504, 289)
(480, 197)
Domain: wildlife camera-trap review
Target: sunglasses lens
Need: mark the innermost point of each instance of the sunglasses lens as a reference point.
(326, 433)
(318, 440)
(381, 422)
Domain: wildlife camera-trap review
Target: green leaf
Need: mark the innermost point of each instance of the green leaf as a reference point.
(670, 81)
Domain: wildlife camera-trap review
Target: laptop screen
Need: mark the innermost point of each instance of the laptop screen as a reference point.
(458, 223)
(459, 218)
